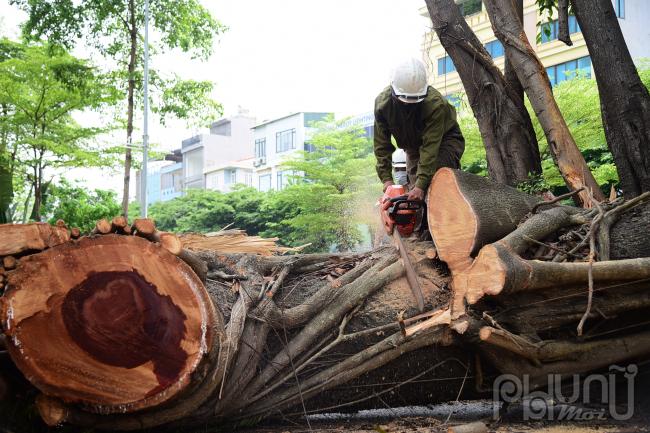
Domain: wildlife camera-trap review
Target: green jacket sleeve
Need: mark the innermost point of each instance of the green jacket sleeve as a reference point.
(383, 148)
(434, 128)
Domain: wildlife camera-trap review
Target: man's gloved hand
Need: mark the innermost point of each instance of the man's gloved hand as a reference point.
(416, 194)
(387, 184)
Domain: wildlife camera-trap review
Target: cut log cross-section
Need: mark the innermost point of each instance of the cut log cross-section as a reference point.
(466, 212)
(19, 238)
(115, 323)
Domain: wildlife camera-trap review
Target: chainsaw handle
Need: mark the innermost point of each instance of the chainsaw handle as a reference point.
(402, 203)
(399, 198)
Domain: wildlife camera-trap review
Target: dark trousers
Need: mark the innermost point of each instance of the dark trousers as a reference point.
(451, 150)
(452, 147)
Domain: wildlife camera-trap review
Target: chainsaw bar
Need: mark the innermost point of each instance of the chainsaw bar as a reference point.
(411, 277)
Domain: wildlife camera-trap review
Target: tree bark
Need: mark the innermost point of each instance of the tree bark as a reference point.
(564, 34)
(624, 100)
(532, 75)
(6, 170)
(510, 75)
(511, 146)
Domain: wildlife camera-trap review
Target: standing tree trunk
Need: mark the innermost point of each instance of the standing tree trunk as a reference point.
(624, 100)
(510, 143)
(133, 34)
(517, 91)
(6, 170)
(533, 77)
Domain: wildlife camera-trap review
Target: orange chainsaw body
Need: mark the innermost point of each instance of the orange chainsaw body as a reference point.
(398, 211)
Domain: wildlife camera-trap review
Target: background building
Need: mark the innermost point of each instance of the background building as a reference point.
(365, 121)
(224, 177)
(171, 181)
(274, 142)
(229, 140)
(154, 184)
(562, 62)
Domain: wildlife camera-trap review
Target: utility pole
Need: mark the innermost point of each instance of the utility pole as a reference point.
(145, 128)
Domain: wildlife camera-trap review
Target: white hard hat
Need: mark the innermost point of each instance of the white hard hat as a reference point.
(409, 81)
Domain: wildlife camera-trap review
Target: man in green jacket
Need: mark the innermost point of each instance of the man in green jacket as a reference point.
(421, 122)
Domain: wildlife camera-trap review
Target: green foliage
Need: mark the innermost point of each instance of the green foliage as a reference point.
(208, 211)
(197, 211)
(579, 102)
(41, 88)
(79, 207)
(335, 196)
(474, 159)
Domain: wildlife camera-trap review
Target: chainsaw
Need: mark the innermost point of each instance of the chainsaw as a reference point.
(399, 216)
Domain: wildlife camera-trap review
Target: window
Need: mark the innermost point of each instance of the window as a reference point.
(265, 182)
(469, 7)
(229, 176)
(279, 185)
(445, 65)
(194, 163)
(309, 147)
(495, 48)
(285, 140)
(551, 30)
(260, 148)
(248, 179)
(283, 178)
(569, 70)
(619, 7)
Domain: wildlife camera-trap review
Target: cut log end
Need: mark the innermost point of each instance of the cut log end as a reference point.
(453, 225)
(126, 333)
(9, 262)
(118, 223)
(102, 227)
(52, 411)
(144, 227)
(18, 238)
(487, 275)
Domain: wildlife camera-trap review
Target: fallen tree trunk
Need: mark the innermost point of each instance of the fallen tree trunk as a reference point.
(299, 334)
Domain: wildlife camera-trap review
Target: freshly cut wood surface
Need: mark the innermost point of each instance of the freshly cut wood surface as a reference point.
(17, 238)
(144, 227)
(466, 212)
(102, 227)
(113, 322)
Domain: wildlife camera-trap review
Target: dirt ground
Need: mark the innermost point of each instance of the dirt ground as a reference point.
(429, 425)
(395, 421)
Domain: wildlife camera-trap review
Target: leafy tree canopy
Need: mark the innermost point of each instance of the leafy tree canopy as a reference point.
(42, 87)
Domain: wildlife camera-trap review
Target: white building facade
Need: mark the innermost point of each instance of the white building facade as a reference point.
(224, 177)
(276, 141)
(229, 140)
